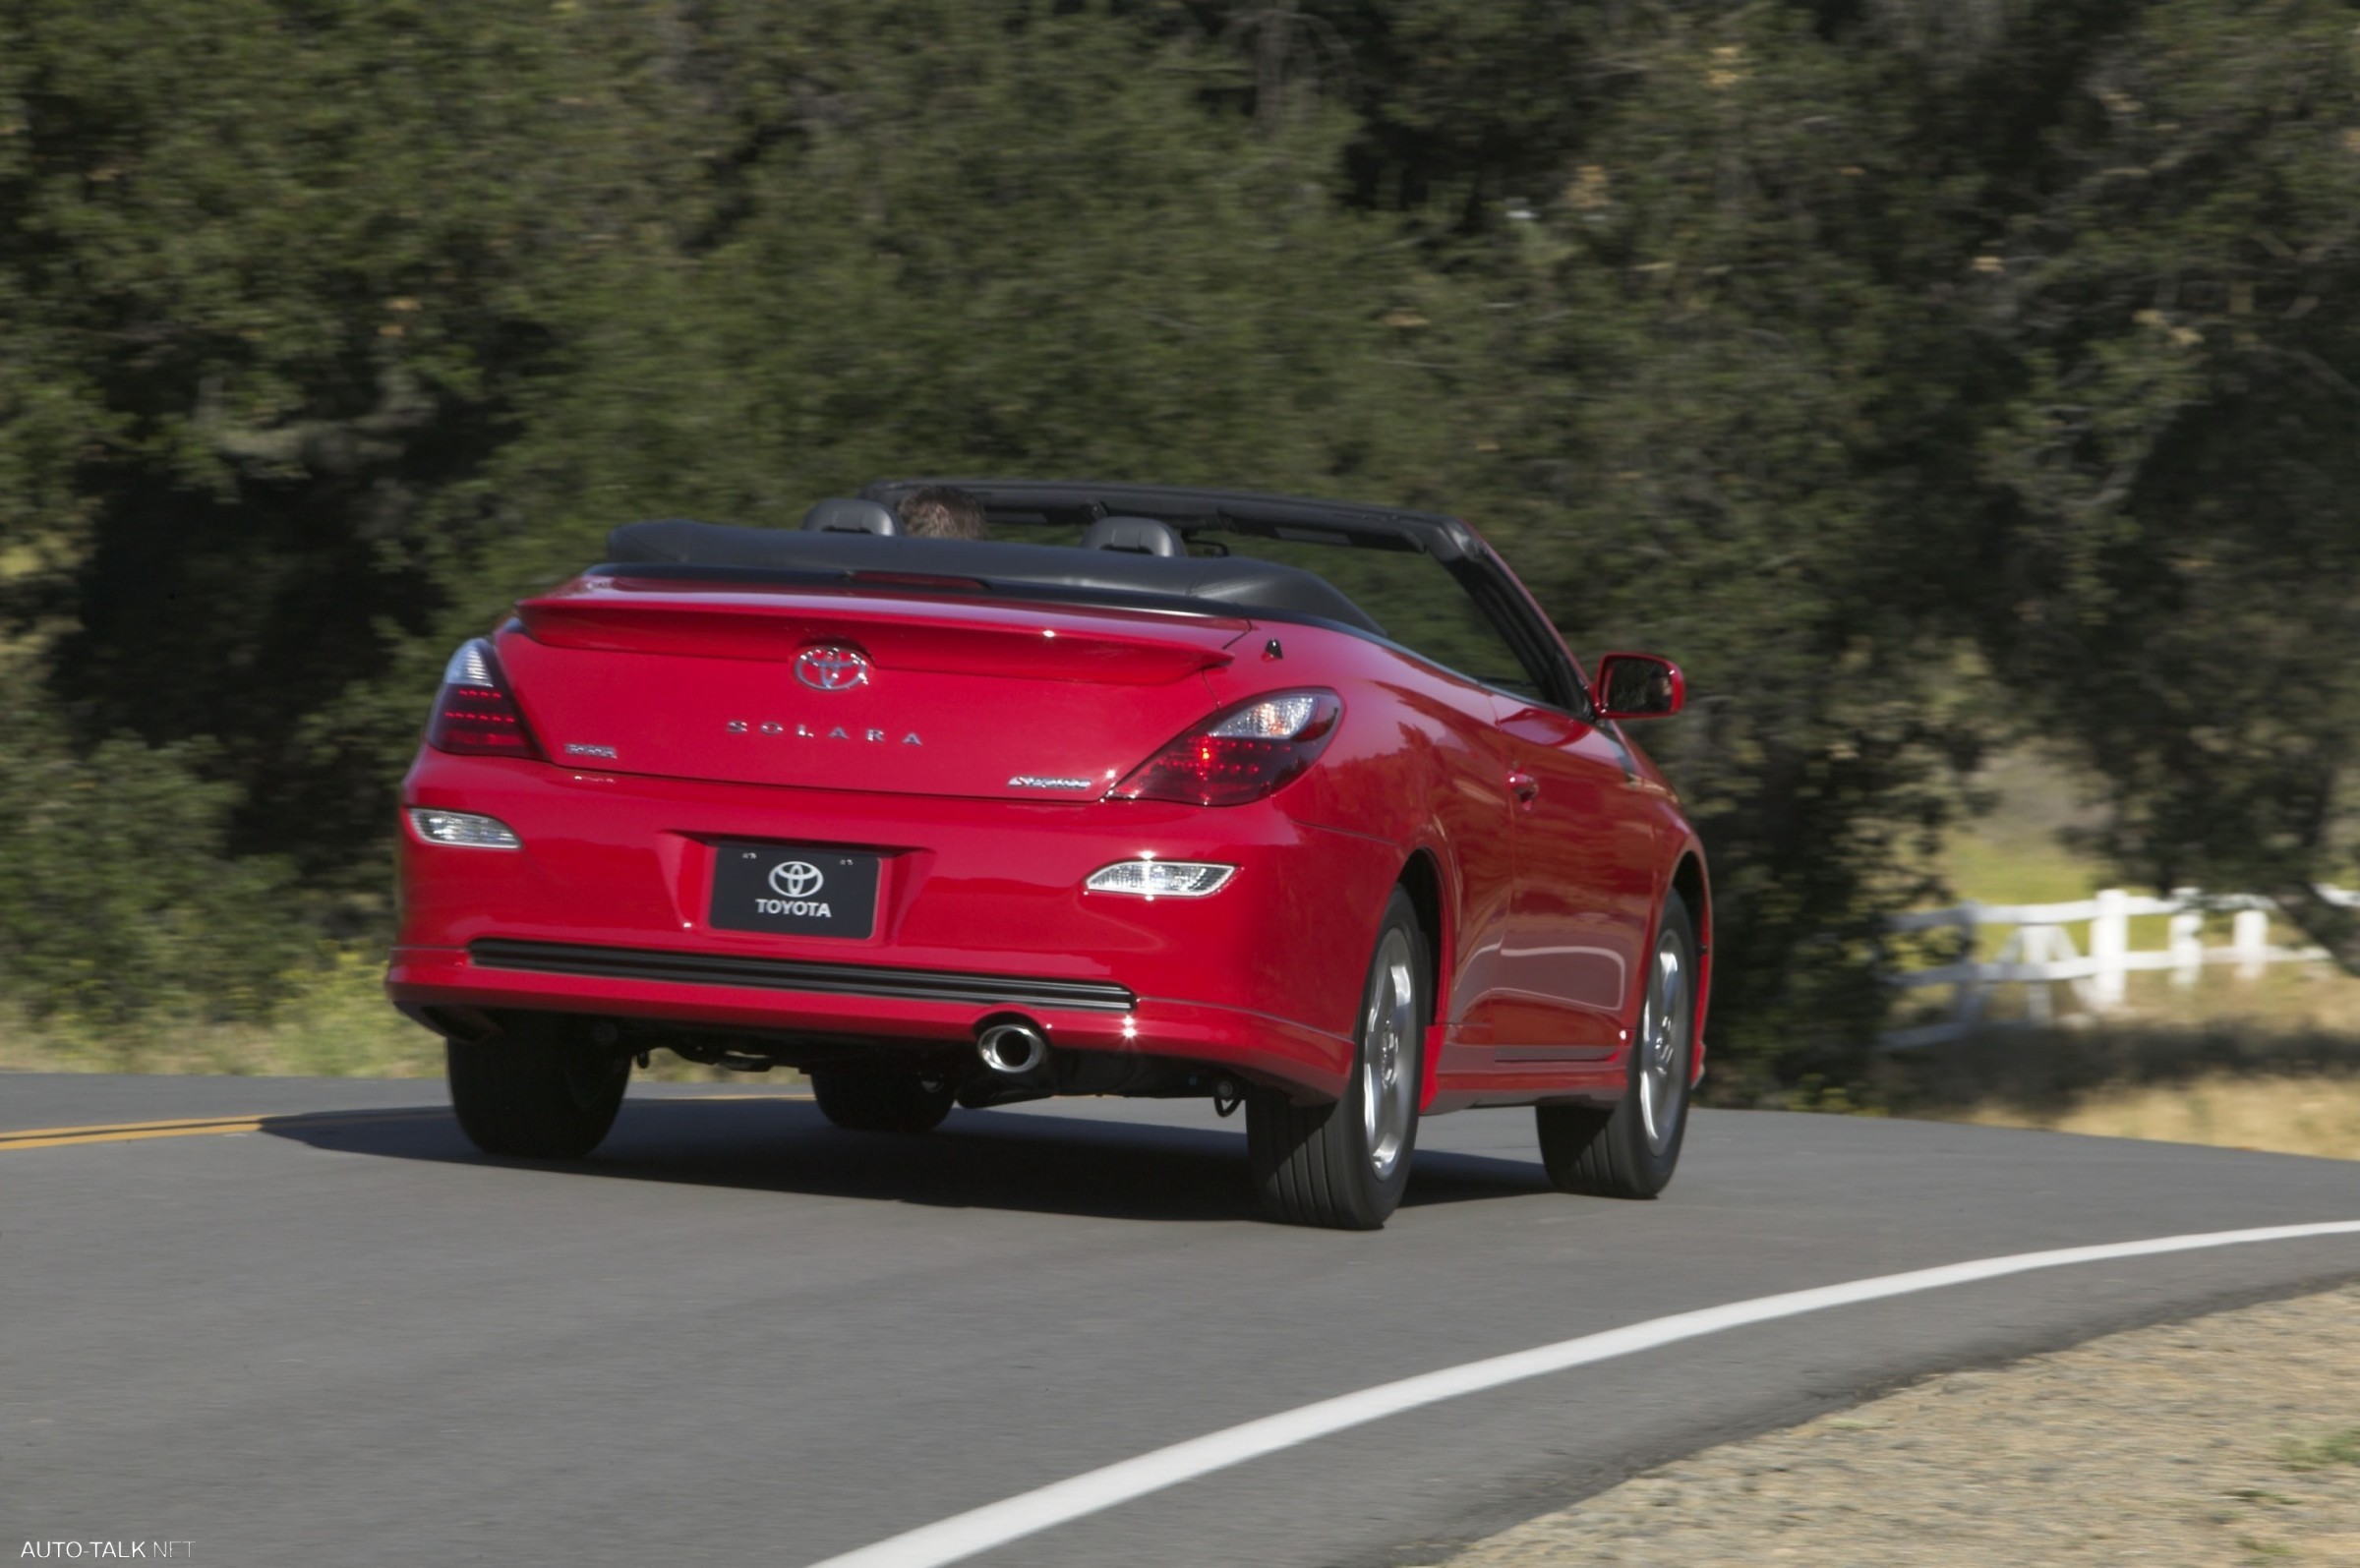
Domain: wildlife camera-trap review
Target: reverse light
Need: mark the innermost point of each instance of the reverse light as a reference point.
(1240, 754)
(1161, 879)
(464, 829)
(474, 715)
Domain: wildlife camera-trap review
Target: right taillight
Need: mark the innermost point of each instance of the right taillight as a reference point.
(1240, 754)
(474, 715)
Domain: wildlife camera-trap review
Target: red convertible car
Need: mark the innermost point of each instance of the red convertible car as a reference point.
(1281, 802)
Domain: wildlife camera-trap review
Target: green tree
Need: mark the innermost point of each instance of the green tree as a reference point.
(117, 896)
(2175, 541)
(263, 287)
(935, 238)
(1857, 350)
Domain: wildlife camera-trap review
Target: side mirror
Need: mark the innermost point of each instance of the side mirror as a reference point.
(1637, 686)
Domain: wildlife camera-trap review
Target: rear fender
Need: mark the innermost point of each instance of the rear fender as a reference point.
(1688, 879)
(1433, 892)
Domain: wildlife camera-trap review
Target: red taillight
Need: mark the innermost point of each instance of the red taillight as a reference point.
(1240, 754)
(474, 715)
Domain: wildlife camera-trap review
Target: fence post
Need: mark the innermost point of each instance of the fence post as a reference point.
(1966, 999)
(2186, 947)
(2249, 939)
(2109, 943)
(2036, 945)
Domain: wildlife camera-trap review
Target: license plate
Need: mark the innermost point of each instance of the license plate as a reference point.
(805, 892)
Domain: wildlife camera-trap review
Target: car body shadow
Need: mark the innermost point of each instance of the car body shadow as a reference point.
(1032, 1163)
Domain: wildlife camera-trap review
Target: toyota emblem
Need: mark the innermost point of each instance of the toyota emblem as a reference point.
(832, 669)
(795, 879)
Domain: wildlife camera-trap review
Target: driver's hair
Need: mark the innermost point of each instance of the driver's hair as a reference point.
(940, 511)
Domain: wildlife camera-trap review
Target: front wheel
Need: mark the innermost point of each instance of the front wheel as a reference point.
(1345, 1164)
(1631, 1150)
(540, 1091)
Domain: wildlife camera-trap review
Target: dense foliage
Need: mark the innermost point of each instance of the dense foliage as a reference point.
(1921, 372)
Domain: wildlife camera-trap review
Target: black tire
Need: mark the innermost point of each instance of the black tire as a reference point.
(1632, 1150)
(540, 1091)
(1345, 1164)
(882, 1099)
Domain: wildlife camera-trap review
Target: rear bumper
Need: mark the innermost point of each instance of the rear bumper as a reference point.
(1255, 1044)
(981, 913)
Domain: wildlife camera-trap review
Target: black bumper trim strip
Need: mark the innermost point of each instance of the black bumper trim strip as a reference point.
(796, 975)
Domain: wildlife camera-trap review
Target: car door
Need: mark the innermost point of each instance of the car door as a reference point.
(1545, 961)
(1476, 812)
(1582, 890)
(1582, 847)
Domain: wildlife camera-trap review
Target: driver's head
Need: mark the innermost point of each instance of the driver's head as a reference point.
(940, 511)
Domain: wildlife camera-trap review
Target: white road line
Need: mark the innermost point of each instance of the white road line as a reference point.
(983, 1529)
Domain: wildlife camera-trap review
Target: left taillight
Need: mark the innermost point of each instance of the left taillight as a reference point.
(474, 715)
(1240, 754)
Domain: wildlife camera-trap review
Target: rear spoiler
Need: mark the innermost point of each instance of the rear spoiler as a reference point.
(623, 615)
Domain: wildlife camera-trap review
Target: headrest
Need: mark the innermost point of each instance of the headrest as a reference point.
(1140, 535)
(841, 515)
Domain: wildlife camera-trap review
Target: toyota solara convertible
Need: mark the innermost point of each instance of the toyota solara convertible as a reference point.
(1278, 802)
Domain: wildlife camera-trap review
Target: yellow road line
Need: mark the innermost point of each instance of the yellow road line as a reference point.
(44, 1137)
(49, 1137)
(109, 1134)
(135, 1126)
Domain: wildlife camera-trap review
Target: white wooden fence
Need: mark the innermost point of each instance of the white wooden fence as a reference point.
(2039, 953)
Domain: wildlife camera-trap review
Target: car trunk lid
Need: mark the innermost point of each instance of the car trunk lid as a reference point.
(932, 688)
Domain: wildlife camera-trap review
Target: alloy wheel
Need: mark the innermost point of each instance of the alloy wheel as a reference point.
(1664, 1027)
(1389, 1085)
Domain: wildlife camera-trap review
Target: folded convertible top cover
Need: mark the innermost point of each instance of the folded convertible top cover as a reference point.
(1234, 582)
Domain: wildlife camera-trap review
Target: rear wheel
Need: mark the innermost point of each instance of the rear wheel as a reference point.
(1632, 1150)
(882, 1099)
(540, 1091)
(1345, 1164)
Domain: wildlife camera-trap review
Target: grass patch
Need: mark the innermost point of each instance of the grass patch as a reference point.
(2339, 1448)
(335, 1023)
(2285, 1084)
(2025, 850)
(2269, 1062)
(2272, 1063)
(2276, 1115)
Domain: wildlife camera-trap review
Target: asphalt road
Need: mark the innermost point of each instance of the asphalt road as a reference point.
(738, 1335)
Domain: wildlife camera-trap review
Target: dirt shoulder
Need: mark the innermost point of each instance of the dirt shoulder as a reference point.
(2229, 1439)
(2284, 1115)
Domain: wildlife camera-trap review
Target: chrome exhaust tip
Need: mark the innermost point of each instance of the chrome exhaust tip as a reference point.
(1012, 1050)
